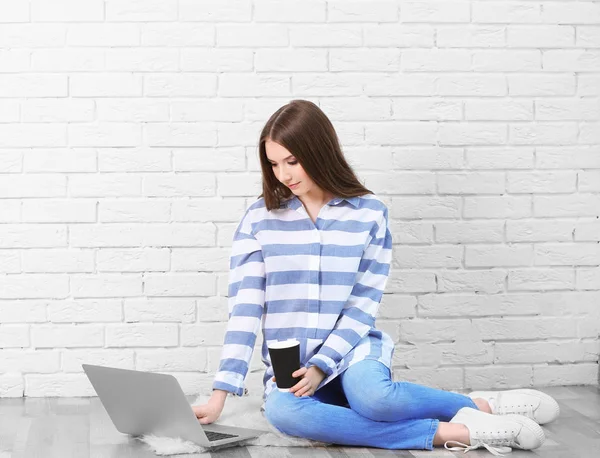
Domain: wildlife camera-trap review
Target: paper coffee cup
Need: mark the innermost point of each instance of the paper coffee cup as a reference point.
(285, 360)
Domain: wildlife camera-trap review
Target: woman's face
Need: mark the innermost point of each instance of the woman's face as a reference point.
(288, 170)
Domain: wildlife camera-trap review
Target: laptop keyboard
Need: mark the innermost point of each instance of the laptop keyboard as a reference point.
(213, 436)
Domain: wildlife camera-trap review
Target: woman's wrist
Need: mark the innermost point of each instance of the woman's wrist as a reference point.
(219, 396)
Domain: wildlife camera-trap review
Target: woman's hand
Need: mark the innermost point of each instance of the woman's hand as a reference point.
(311, 378)
(211, 411)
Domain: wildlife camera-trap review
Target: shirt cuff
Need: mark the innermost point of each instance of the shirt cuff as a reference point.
(238, 391)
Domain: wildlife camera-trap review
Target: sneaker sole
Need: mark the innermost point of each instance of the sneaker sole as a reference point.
(533, 427)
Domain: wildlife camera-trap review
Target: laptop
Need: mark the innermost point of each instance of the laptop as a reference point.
(141, 403)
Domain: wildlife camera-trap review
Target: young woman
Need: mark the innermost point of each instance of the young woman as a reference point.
(310, 260)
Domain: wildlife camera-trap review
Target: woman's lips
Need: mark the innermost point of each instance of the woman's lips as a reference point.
(294, 186)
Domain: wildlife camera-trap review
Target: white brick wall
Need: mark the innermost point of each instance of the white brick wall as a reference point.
(128, 133)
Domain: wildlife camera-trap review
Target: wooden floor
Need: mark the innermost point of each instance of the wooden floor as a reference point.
(80, 427)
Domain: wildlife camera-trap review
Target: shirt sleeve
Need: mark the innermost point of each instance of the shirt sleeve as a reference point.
(246, 300)
(358, 315)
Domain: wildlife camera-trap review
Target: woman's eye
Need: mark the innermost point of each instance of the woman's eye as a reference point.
(293, 163)
(273, 165)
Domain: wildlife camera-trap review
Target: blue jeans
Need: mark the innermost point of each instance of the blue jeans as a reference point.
(363, 407)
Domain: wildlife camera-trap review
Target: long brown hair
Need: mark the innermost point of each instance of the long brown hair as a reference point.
(306, 132)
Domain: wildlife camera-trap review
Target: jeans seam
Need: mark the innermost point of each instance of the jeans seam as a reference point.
(432, 430)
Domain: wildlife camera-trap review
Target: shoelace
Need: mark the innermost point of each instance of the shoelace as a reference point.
(494, 450)
(502, 409)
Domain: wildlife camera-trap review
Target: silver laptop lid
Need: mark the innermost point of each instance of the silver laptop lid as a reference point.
(145, 403)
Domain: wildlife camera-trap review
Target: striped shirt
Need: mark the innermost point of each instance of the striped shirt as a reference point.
(319, 283)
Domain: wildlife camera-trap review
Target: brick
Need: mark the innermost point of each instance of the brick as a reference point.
(102, 35)
(211, 309)
(471, 183)
(355, 109)
(588, 85)
(541, 182)
(134, 160)
(215, 11)
(589, 278)
(436, 60)
(33, 135)
(229, 110)
(359, 11)
(566, 157)
(571, 13)
(506, 12)
(397, 306)
(567, 254)
(12, 60)
(579, 60)
(14, 336)
(499, 110)
(10, 262)
(160, 310)
(59, 160)
(400, 183)
(11, 161)
(11, 386)
(412, 232)
(105, 85)
(244, 133)
(402, 133)
(498, 377)
(57, 261)
(479, 305)
(200, 260)
(67, 336)
(499, 255)
(138, 235)
(105, 134)
(587, 231)
(33, 236)
(541, 279)
(179, 134)
(481, 133)
(10, 111)
(479, 281)
(238, 185)
(471, 36)
(106, 285)
(202, 334)
(566, 109)
(209, 160)
(433, 330)
(371, 60)
(411, 281)
(469, 231)
(73, 359)
(426, 109)
(176, 359)
(141, 10)
(10, 211)
(544, 352)
(142, 335)
(327, 84)
(429, 11)
(465, 85)
(565, 374)
(177, 34)
(14, 12)
(67, 11)
(132, 211)
(119, 260)
(325, 35)
(252, 35)
(540, 231)
(504, 207)
(58, 385)
(576, 205)
(588, 36)
(537, 85)
(589, 133)
(84, 311)
(30, 361)
(540, 36)
(179, 284)
(427, 158)
(293, 11)
(67, 60)
(427, 256)
(141, 110)
(439, 207)
(142, 60)
(180, 85)
(500, 157)
(104, 185)
(507, 61)
(208, 210)
(42, 185)
(179, 184)
(224, 60)
(236, 85)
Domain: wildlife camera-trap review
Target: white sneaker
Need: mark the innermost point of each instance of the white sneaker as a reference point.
(497, 434)
(534, 404)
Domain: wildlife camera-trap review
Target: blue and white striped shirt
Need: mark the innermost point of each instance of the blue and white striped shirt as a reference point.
(319, 283)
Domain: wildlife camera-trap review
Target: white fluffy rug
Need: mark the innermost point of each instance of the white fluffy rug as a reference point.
(239, 411)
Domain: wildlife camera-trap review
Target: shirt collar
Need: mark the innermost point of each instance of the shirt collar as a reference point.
(295, 203)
